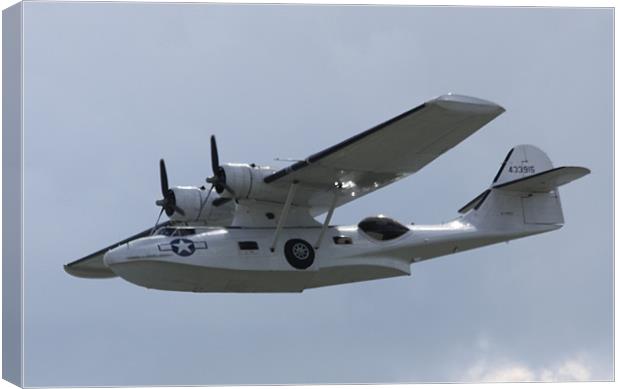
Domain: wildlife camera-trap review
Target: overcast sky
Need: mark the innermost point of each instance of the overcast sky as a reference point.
(111, 88)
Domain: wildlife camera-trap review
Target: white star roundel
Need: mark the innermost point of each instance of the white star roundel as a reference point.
(183, 247)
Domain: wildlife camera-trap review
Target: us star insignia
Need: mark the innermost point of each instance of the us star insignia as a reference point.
(183, 247)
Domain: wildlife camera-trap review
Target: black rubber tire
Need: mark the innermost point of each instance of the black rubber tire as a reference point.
(299, 253)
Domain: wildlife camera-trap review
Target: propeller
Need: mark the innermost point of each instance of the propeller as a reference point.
(218, 180)
(168, 203)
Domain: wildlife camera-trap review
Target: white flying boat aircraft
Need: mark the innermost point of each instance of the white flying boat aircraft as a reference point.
(259, 232)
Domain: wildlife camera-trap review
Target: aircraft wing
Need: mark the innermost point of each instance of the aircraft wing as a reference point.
(92, 266)
(387, 152)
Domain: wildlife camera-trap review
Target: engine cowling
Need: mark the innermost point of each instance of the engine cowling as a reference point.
(247, 182)
(193, 202)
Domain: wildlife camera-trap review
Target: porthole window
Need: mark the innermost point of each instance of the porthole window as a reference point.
(382, 228)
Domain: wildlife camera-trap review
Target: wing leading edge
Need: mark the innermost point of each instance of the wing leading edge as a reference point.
(389, 151)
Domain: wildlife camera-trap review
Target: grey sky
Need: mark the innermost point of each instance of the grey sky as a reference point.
(111, 88)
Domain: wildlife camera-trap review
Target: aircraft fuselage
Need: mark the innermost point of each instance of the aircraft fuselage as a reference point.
(241, 259)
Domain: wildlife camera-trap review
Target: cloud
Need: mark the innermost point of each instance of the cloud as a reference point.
(570, 370)
(574, 369)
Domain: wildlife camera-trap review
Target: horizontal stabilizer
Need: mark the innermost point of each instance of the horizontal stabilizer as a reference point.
(545, 181)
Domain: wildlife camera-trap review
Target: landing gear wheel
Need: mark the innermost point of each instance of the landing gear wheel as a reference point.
(299, 253)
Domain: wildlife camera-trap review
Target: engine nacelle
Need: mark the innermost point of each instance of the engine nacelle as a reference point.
(193, 202)
(247, 181)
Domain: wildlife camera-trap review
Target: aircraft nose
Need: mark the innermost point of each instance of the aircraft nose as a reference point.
(115, 255)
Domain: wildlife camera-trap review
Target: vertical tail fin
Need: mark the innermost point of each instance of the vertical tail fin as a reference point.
(522, 161)
(524, 193)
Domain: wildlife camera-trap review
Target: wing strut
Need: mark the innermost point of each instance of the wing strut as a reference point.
(284, 214)
(328, 218)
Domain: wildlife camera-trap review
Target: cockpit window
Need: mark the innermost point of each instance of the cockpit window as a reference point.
(382, 228)
(164, 231)
(185, 231)
(174, 231)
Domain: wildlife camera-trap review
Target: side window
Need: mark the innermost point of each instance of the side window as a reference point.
(248, 245)
(342, 240)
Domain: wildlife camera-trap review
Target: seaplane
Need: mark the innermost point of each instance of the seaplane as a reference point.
(259, 229)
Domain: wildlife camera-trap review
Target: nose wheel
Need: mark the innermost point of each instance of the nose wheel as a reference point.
(299, 253)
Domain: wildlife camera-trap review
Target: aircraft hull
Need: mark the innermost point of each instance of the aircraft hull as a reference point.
(218, 264)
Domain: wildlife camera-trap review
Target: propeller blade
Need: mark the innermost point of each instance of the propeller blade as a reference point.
(215, 159)
(219, 174)
(163, 177)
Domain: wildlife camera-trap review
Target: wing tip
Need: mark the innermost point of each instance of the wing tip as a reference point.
(578, 171)
(583, 170)
(468, 103)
